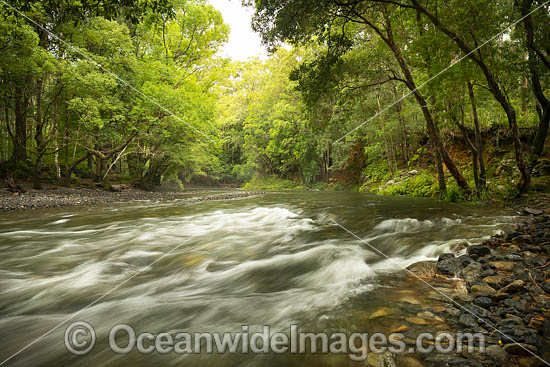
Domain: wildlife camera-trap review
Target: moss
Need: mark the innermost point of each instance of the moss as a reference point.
(421, 185)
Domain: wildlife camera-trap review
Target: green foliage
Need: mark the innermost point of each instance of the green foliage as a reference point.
(288, 122)
(454, 194)
(272, 183)
(376, 171)
(421, 185)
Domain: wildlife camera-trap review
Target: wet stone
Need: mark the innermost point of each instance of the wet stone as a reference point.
(535, 212)
(447, 267)
(514, 287)
(485, 289)
(484, 302)
(546, 286)
(468, 320)
(497, 354)
(495, 281)
(503, 265)
(479, 251)
(520, 349)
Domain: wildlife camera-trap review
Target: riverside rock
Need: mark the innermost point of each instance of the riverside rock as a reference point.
(514, 287)
(546, 286)
(518, 349)
(494, 281)
(479, 251)
(535, 212)
(503, 265)
(485, 289)
(484, 302)
(468, 320)
(447, 267)
(508, 279)
(498, 354)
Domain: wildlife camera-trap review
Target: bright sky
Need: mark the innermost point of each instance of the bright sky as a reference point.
(243, 43)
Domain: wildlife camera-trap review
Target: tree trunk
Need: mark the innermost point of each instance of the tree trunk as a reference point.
(56, 138)
(536, 54)
(478, 141)
(66, 140)
(432, 130)
(542, 131)
(8, 127)
(495, 89)
(20, 141)
(38, 137)
(383, 125)
(403, 127)
(70, 169)
(440, 175)
(473, 148)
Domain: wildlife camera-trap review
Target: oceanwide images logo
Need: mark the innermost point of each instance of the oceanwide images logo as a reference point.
(80, 339)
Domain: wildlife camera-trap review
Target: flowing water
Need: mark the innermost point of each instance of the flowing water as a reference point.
(274, 260)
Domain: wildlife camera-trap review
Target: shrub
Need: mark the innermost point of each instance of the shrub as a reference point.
(421, 185)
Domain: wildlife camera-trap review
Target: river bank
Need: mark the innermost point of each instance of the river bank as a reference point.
(62, 197)
(500, 288)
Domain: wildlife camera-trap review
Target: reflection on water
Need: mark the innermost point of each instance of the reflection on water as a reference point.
(271, 260)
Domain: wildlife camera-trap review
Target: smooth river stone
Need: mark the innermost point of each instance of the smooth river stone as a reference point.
(517, 349)
(516, 286)
(381, 312)
(417, 321)
(484, 289)
(503, 265)
(495, 281)
(429, 316)
(410, 362)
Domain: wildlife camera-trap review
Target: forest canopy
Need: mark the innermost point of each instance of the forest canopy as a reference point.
(400, 97)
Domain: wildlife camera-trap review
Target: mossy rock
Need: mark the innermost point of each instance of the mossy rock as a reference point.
(541, 184)
(542, 168)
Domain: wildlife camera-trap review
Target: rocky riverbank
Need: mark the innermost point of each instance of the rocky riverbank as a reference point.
(57, 197)
(501, 289)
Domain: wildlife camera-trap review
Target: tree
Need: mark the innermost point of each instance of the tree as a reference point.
(279, 21)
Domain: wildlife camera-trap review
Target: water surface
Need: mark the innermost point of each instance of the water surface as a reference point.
(271, 260)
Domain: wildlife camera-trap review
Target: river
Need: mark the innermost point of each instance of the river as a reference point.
(277, 259)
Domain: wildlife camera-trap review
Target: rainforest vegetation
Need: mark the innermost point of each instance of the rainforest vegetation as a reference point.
(410, 97)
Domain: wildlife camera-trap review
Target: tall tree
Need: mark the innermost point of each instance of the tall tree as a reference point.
(297, 21)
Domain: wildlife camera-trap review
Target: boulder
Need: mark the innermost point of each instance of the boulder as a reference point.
(446, 256)
(546, 286)
(503, 265)
(484, 289)
(447, 267)
(484, 302)
(517, 349)
(535, 212)
(425, 269)
(514, 287)
(495, 281)
(479, 251)
(497, 354)
(521, 240)
(472, 272)
(467, 320)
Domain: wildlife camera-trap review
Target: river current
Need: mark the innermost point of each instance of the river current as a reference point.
(277, 259)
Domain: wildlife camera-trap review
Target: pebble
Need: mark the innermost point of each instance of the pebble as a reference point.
(482, 289)
(484, 302)
(516, 286)
(507, 279)
(503, 265)
(58, 197)
(518, 349)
